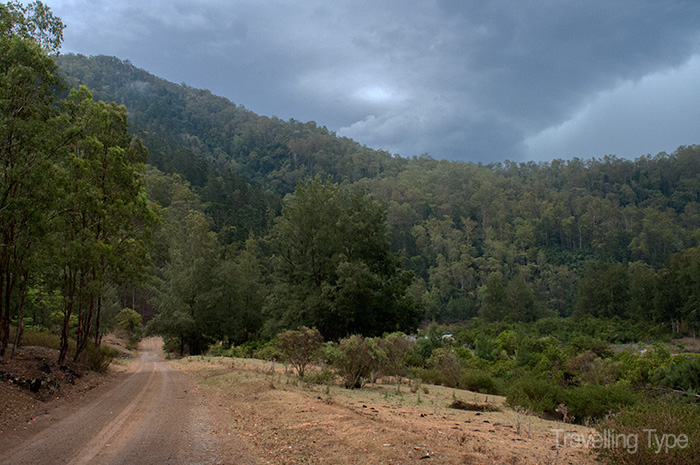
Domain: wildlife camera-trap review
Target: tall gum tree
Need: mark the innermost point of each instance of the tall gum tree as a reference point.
(30, 145)
(106, 218)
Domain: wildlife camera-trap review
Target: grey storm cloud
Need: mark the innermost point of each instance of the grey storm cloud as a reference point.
(458, 79)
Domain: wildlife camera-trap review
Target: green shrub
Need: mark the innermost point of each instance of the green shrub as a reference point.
(580, 344)
(300, 348)
(98, 358)
(355, 359)
(540, 395)
(478, 381)
(681, 373)
(448, 364)
(648, 422)
(484, 348)
(218, 350)
(130, 323)
(642, 370)
(430, 376)
(269, 351)
(594, 401)
(40, 337)
(171, 345)
(324, 376)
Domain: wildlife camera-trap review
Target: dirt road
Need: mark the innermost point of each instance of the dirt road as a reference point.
(153, 415)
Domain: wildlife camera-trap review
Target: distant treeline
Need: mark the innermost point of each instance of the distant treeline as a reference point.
(607, 237)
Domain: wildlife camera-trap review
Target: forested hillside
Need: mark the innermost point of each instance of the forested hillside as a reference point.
(244, 235)
(610, 238)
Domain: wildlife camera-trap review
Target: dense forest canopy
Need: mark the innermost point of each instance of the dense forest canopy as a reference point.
(245, 201)
(607, 237)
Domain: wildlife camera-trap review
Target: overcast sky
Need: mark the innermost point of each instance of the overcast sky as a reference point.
(459, 79)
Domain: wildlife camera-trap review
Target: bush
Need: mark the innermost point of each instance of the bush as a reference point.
(641, 370)
(681, 373)
(581, 344)
(219, 350)
(269, 351)
(448, 364)
(540, 395)
(593, 401)
(98, 358)
(300, 348)
(129, 322)
(478, 381)
(39, 337)
(648, 422)
(171, 345)
(324, 376)
(484, 347)
(354, 358)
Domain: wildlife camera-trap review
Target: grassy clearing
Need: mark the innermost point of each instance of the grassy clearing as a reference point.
(283, 419)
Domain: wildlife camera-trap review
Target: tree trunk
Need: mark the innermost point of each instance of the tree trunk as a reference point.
(20, 312)
(98, 335)
(69, 299)
(5, 321)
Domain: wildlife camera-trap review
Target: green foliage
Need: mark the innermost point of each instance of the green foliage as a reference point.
(594, 401)
(355, 358)
(396, 348)
(269, 351)
(682, 373)
(430, 340)
(30, 127)
(41, 337)
(300, 348)
(333, 268)
(640, 370)
(219, 350)
(540, 395)
(484, 347)
(324, 376)
(648, 422)
(477, 380)
(581, 344)
(98, 358)
(130, 322)
(33, 22)
(447, 365)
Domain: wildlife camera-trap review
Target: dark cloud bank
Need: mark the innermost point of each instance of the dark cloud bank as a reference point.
(463, 80)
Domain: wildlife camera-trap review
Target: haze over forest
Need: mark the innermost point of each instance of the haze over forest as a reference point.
(468, 80)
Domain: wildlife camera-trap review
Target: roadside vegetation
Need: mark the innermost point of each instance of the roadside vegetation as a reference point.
(558, 370)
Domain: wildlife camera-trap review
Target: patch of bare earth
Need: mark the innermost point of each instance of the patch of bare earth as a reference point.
(282, 420)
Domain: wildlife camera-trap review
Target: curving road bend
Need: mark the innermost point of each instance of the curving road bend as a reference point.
(150, 417)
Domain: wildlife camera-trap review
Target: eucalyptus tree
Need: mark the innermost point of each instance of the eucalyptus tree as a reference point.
(30, 145)
(105, 218)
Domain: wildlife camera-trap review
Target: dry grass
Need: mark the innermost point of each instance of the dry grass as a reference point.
(283, 420)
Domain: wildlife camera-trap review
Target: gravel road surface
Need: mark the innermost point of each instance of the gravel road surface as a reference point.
(153, 415)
